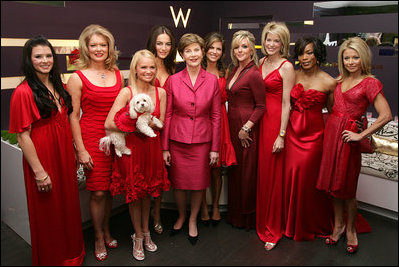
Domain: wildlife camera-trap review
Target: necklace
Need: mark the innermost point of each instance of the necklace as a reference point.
(102, 76)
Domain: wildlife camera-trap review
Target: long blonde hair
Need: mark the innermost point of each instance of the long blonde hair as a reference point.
(361, 47)
(144, 53)
(84, 38)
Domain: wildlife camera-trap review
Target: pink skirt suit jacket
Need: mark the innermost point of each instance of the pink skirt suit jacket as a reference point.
(192, 128)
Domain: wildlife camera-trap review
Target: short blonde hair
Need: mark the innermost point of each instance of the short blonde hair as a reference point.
(282, 31)
(144, 53)
(84, 38)
(237, 38)
(361, 47)
(188, 39)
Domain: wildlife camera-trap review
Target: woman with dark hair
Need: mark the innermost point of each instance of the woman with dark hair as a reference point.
(39, 116)
(308, 211)
(162, 44)
(213, 63)
(191, 135)
(93, 89)
(341, 159)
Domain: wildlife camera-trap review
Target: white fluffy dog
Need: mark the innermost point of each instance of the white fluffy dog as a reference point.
(140, 103)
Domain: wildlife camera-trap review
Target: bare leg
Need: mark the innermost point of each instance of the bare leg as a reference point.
(156, 214)
(145, 213)
(97, 212)
(351, 216)
(181, 202)
(204, 208)
(217, 181)
(196, 199)
(339, 220)
(135, 217)
(107, 214)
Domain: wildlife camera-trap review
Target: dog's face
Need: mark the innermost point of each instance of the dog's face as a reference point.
(142, 103)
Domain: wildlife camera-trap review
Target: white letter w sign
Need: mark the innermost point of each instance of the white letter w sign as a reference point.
(180, 14)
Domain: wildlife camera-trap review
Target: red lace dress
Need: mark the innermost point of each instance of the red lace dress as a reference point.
(143, 172)
(341, 162)
(270, 202)
(227, 156)
(54, 218)
(309, 211)
(96, 102)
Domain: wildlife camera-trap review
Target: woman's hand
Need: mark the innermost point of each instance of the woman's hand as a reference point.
(85, 159)
(166, 157)
(214, 158)
(244, 138)
(278, 144)
(43, 183)
(349, 136)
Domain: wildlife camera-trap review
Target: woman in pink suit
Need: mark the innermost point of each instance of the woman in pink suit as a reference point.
(191, 135)
(341, 160)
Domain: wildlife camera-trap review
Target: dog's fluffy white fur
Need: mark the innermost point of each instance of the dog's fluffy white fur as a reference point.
(140, 103)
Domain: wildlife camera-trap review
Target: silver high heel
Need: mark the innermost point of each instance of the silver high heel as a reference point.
(138, 254)
(149, 246)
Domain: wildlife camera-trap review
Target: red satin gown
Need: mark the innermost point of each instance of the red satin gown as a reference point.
(54, 218)
(270, 202)
(96, 101)
(227, 156)
(310, 211)
(143, 172)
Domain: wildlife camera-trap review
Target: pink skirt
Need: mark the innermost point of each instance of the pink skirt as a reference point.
(190, 169)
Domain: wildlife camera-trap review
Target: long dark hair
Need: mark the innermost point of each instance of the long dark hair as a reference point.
(210, 38)
(169, 61)
(45, 101)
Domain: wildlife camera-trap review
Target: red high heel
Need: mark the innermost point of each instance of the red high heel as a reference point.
(101, 256)
(331, 242)
(351, 249)
(112, 244)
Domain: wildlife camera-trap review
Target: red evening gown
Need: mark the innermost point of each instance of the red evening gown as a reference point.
(96, 102)
(246, 102)
(54, 218)
(227, 156)
(270, 202)
(143, 172)
(341, 162)
(310, 211)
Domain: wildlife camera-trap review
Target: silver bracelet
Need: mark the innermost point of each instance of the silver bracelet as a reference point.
(246, 129)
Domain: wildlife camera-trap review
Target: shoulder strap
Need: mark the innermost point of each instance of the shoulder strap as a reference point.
(282, 63)
(131, 92)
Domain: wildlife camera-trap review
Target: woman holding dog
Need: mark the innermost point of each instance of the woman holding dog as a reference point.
(162, 44)
(93, 89)
(142, 174)
(191, 135)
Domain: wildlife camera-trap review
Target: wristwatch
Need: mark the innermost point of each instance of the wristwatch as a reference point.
(282, 133)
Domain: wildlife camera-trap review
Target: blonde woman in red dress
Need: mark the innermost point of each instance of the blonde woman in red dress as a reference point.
(279, 78)
(213, 63)
(162, 44)
(142, 174)
(39, 116)
(341, 160)
(93, 89)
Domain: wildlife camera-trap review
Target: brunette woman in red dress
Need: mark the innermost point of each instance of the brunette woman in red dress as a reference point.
(141, 174)
(162, 44)
(279, 77)
(213, 63)
(39, 108)
(93, 89)
(341, 160)
(246, 98)
(309, 211)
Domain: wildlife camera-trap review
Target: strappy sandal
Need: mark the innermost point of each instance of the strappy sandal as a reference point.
(148, 244)
(138, 254)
